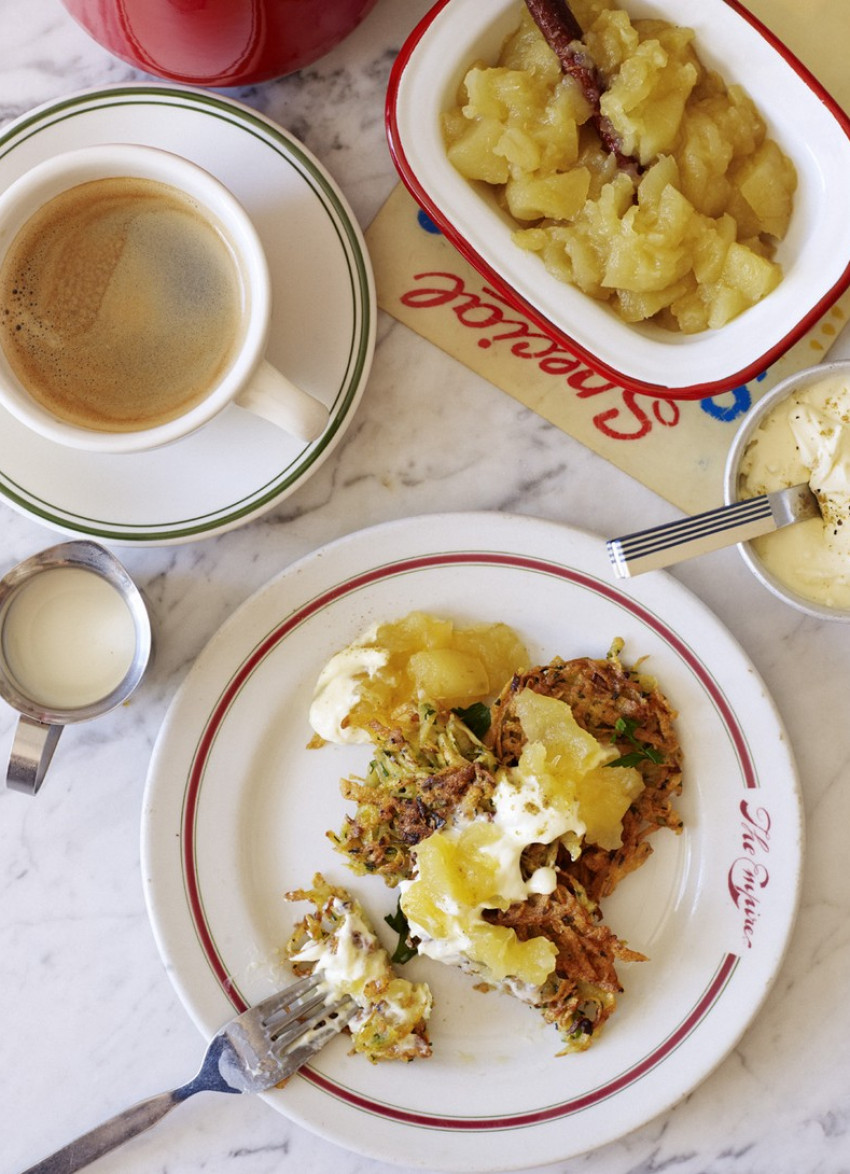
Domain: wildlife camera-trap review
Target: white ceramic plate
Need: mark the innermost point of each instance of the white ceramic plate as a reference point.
(322, 335)
(809, 126)
(236, 811)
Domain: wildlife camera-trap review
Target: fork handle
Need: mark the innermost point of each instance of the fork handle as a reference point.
(109, 1135)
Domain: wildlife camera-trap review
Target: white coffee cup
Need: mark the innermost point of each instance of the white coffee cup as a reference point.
(247, 378)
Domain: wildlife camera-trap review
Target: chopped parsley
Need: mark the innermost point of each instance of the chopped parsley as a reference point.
(625, 728)
(476, 718)
(398, 922)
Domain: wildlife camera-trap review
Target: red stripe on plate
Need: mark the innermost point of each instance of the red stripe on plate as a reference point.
(552, 1112)
(192, 883)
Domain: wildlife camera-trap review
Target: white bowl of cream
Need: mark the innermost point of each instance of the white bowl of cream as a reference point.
(800, 432)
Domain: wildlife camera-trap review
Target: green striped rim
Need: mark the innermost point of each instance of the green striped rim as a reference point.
(293, 153)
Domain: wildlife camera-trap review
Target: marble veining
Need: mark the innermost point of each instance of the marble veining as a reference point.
(89, 1021)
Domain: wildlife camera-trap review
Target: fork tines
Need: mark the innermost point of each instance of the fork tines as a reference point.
(299, 1021)
(306, 1006)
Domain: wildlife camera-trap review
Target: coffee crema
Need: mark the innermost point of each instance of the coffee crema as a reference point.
(121, 304)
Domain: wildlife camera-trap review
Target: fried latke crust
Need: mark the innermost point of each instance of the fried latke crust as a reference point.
(600, 693)
(391, 820)
(580, 994)
(396, 813)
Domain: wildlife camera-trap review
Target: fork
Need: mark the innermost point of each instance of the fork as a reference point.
(251, 1053)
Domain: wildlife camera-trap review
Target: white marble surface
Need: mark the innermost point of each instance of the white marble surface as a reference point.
(89, 1021)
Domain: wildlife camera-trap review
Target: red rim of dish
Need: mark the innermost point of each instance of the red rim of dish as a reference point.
(694, 391)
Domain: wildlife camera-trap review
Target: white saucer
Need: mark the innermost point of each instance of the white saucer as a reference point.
(323, 327)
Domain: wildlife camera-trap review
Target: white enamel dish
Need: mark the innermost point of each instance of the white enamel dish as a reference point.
(322, 334)
(237, 808)
(806, 122)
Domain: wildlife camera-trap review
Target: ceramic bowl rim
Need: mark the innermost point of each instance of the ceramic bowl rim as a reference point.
(746, 430)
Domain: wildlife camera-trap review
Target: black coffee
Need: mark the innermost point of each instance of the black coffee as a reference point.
(120, 304)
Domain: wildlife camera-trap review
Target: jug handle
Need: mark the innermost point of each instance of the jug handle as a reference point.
(32, 751)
